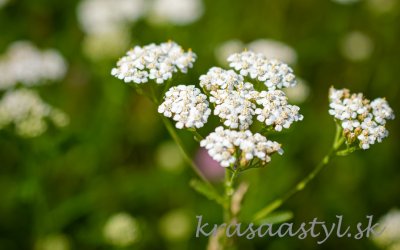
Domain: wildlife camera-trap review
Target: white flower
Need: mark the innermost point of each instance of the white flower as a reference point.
(121, 230)
(236, 108)
(381, 110)
(179, 12)
(220, 79)
(105, 16)
(186, 105)
(225, 145)
(28, 113)
(24, 63)
(153, 62)
(235, 101)
(273, 73)
(276, 111)
(361, 119)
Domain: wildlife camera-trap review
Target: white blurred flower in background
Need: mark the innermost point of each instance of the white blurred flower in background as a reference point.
(3, 2)
(105, 45)
(24, 109)
(24, 63)
(121, 230)
(381, 6)
(356, 46)
(178, 12)
(169, 157)
(269, 47)
(104, 16)
(274, 49)
(176, 225)
(106, 25)
(299, 93)
(390, 236)
(226, 49)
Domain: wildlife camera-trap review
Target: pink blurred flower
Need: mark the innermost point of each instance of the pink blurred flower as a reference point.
(211, 169)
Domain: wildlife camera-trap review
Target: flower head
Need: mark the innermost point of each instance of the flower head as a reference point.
(273, 73)
(229, 146)
(362, 120)
(220, 79)
(186, 105)
(235, 108)
(153, 62)
(275, 110)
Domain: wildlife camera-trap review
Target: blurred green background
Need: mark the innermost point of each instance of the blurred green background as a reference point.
(59, 190)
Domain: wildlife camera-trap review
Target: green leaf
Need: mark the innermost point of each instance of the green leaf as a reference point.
(264, 212)
(276, 218)
(206, 190)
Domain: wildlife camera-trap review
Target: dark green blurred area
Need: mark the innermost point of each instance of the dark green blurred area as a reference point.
(71, 181)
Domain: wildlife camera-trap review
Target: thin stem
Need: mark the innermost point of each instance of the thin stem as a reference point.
(338, 141)
(230, 179)
(178, 141)
(197, 136)
(186, 156)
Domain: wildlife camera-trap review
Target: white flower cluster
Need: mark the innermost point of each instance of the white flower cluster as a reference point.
(153, 62)
(224, 144)
(186, 105)
(273, 73)
(361, 119)
(105, 16)
(236, 101)
(220, 79)
(28, 113)
(24, 63)
(234, 107)
(276, 111)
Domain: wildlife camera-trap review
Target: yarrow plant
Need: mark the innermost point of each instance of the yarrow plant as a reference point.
(153, 62)
(249, 102)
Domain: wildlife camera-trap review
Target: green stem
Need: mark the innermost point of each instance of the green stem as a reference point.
(230, 179)
(178, 141)
(303, 183)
